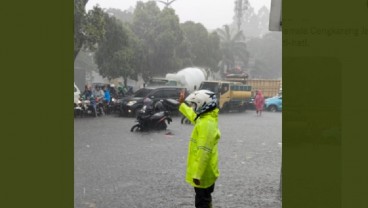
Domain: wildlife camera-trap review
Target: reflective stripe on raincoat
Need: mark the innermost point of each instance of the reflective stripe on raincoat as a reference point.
(202, 161)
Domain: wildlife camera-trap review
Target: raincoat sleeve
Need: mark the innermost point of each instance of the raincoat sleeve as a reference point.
(207, 138)
(188, 112)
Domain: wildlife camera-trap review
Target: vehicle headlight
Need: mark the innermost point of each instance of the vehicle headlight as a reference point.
(130, 103)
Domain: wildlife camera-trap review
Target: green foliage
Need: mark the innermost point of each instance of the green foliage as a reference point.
(213, 47)
(233, 48)
(94, 28)
(115, 56)
(204, 48)
(267, 55)
(161, 39)
(124, 16)
(79, 21)
(254, 24)
(88, 27)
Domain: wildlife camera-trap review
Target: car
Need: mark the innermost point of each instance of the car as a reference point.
(130, 106)
(274, 103)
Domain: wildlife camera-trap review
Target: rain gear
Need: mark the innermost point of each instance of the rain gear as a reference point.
(259, 101)
(202, 161)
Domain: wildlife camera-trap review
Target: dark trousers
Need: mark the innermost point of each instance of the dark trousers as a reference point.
(203, 197)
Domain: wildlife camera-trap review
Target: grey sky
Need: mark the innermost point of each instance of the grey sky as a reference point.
(211, 13)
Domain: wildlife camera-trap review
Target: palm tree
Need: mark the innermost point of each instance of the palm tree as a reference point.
(233, 48)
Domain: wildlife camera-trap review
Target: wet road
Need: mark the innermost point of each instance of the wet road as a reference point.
(115, 168)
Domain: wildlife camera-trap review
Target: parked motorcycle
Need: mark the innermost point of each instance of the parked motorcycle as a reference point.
(148, 120)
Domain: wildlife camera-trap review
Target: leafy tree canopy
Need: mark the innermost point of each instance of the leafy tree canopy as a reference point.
(115, 54)
(88, 27)
(204, 47)
(161, 38)
(267, 55)
(233, 48)
(124, 16)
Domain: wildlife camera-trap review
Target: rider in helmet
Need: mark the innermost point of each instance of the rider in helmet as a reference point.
(202, 163)
(148, 107)
(112, 90)
(159, 106)
(147, 110)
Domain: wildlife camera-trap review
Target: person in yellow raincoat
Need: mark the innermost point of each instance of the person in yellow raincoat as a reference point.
(202, 162)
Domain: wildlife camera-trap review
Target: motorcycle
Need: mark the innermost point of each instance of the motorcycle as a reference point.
(114, 105)
(92, 107)
(78, 108)
(81, 108)
(99, 111)
(184, 120)
(151, 121)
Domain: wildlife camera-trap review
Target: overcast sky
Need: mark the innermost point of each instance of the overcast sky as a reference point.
(211, 13)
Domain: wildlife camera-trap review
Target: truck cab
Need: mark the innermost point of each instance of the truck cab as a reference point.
(230, 95)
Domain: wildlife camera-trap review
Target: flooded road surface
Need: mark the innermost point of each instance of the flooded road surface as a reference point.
(115, 168)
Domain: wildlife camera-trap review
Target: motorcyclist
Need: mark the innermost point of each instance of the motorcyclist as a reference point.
(98, 93)
(98, 96)
(159, 106)
(112, 90)
(87, 93)
(149, 108)
(122, 91)
(107, 96)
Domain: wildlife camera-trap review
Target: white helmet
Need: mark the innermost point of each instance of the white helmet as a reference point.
(202, 100)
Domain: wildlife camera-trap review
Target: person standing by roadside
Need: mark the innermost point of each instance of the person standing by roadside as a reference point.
(202, 161)
(259, 102)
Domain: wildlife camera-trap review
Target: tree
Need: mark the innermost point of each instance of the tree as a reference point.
(255, 24)
(267, 55)
(124, 16)
(88, 27)
(161, 37)
(115, 55)
(263, 18)
(204, 48)
(214, 56)
(233, 48)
